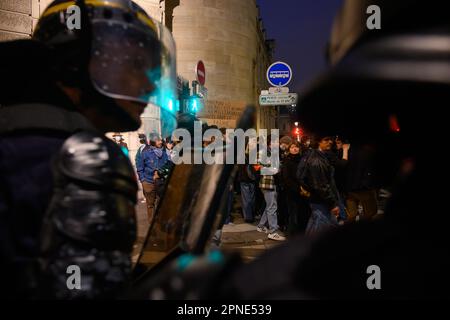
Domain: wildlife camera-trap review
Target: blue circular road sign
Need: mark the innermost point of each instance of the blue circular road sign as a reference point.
(279, 74)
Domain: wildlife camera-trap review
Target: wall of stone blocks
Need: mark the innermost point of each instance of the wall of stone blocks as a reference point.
(15, 19)
(18, 18)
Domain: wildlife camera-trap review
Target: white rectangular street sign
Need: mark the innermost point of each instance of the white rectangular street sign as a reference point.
(281, 99)
(274, 90)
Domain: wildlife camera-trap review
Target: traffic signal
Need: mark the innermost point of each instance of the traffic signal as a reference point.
(298, 131)
(195, 104)
(194, 107)
(172, 105)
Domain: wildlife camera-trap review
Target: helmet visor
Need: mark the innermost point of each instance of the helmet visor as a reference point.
(131, 61)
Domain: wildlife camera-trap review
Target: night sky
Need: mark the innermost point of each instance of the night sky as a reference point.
(301, 29)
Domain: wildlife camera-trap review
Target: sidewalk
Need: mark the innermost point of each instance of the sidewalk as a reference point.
(142, 229)
(244, 238)
(238, 236)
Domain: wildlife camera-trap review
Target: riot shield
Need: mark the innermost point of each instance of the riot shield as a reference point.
(189, 212)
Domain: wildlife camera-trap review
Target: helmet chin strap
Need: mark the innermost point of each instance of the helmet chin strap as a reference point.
(108, 114)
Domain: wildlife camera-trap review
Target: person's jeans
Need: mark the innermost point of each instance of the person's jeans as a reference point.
(248, 200)
(151, 192)
(270, 213)
(321, 218)
(229, 207)
(342, 212)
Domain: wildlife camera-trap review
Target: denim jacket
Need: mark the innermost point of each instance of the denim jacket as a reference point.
(151, 160)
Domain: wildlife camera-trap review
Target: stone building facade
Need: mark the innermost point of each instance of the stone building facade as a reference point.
(228, 36)
(19, 17)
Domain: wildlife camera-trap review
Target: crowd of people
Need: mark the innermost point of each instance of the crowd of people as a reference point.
(321, 183)
(318, 184)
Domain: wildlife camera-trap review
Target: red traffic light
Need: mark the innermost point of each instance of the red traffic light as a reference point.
(298, 132)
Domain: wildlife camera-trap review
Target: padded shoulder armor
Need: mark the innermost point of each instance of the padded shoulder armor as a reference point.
(96, 160)
(95, 193)
(91, 219)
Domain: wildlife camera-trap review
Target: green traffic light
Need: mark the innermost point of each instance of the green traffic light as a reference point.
(195, 105)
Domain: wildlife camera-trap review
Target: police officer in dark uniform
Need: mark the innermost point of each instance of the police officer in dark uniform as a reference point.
(67, 193)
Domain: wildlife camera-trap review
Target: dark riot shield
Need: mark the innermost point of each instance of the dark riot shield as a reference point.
(189, 212)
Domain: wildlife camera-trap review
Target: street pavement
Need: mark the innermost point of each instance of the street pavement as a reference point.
(243, 238)
(237, 236)
(142, 228)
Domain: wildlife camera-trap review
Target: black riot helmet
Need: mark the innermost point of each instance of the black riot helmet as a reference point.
(117, 53)
(390, 83)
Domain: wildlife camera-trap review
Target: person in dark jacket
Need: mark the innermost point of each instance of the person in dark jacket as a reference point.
(285, 142)
(283, 210)
(316, 175)
(248, 185)
(298, 209)
(153, 159)
(338, 157)
(341, 152)
(169, 145)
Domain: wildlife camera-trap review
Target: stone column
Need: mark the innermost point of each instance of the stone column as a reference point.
(222, 33)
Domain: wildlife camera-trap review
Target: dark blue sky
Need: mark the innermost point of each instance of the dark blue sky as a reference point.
(301, 29)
